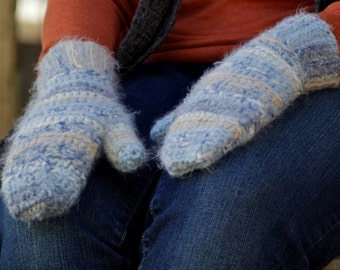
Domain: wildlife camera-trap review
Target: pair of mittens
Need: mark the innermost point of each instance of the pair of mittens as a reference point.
(75, 113)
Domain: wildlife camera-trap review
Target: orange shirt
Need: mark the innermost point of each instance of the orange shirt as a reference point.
(203, 32)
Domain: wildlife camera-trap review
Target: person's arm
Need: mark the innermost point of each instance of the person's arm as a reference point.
(331, 15)
(102, 21)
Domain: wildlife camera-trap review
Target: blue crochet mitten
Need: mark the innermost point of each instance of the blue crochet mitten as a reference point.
(247, 90)
(75, 112)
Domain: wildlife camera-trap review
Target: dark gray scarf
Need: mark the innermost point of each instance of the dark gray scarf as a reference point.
(322, 4)
(151, 23)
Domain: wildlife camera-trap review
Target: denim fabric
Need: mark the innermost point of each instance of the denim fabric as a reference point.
(271, 204)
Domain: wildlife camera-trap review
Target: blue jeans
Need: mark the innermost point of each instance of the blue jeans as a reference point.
(271, 204)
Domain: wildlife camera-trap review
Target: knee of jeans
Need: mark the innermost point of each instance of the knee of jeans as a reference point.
(57, 255)
(26, 257)
(212, 203)
(209, 195)
(193, 218)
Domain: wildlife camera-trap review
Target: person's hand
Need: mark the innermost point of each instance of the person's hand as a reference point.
(246, 91)
(75, 112)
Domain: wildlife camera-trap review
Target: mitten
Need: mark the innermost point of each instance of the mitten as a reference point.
(74, 114)
(247, 90)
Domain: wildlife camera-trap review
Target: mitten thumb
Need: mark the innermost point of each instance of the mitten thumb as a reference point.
(122, 146)
(162, 126)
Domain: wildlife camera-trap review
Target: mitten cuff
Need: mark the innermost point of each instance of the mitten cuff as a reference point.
(76, 55)
(312, 40)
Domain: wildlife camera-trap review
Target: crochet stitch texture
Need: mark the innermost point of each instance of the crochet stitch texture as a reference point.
(246, 91)
(75, 112)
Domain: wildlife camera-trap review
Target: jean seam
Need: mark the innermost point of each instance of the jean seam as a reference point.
(131, 216)
(153, 213)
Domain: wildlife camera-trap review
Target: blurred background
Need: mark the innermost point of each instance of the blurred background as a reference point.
(20, 32)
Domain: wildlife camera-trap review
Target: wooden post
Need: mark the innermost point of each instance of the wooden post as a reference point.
(9, 98)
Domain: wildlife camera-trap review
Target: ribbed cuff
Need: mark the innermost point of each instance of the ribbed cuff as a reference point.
(72, 55)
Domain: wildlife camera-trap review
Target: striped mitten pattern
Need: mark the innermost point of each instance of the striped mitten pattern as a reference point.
(247, 90)
(74, 113)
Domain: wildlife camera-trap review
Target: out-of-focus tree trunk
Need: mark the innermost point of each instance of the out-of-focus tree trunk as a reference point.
(9, 101)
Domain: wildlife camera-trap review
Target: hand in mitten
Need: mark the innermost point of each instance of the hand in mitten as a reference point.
(74, 113)
(246, 91)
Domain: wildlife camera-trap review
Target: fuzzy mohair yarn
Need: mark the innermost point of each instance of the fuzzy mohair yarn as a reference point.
(74, 115)
(247, 90)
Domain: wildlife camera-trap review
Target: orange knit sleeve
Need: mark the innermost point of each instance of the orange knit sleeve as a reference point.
(102, 21)
(332, 16)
